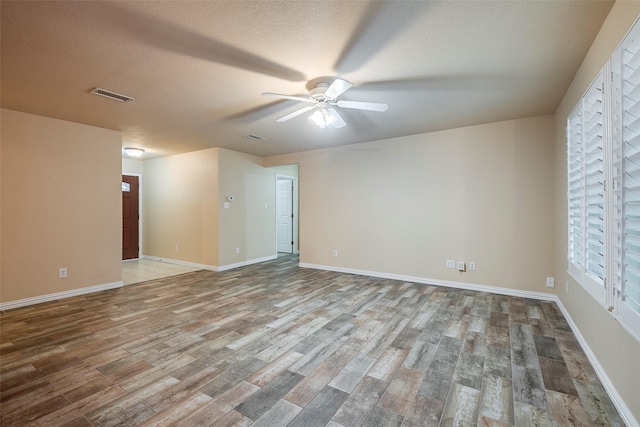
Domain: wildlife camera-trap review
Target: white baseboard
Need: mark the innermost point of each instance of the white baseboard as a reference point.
(180, 262)
(247, 262)
(210, 267)
(620, 405)
(58, 295)
(424, 280)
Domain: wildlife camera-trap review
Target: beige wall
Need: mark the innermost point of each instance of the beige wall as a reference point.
(288, 170)
(180, 204)
(250, 221)
(132, 166)
(405, 205)
(61, 206)
(183, 203)
(615, 349)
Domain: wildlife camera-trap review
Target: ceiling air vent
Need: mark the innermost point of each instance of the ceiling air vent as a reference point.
(111, 95)
(255, 137)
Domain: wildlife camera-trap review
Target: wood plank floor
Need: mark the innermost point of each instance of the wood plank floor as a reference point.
(272, 345)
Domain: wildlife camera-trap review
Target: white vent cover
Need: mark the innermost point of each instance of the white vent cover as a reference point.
(111, 95)
(255, 137)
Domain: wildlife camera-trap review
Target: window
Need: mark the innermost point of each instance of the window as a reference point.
(603, 167)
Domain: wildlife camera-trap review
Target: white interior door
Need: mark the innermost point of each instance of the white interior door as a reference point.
(284, 213)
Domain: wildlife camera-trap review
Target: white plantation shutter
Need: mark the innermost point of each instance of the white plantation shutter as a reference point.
(626, 170)
(586, 196)
(593, 140)
(575, 190)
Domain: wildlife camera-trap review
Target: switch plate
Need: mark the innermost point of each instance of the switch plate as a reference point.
(472, 266)
(551, 282)
(461, 266)
(62, 273)
(226, 205)
(335, 252)
(451, 263)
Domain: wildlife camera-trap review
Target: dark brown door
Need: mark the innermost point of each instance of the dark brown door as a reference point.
(129, 217)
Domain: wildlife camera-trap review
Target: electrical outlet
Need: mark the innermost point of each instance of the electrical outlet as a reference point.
(472, 265)
(461, 266)
(451, 263)
(238, 250)
(551, 282)
(62, 273)
(335, 252)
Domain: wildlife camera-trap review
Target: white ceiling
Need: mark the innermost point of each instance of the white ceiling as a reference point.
(197, 69)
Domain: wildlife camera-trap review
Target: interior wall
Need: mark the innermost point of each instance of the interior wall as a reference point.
(615, 349)
(249, 222)
(288, 170)
(132, 166)
(180, 201)
(61, 206)
(405, 205)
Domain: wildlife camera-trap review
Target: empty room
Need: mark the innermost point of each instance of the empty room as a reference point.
(320, 213)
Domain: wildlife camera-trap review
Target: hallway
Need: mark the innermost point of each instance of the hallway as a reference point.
(141, 270)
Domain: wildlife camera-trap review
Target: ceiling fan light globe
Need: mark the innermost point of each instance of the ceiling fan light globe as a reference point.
(321, 118)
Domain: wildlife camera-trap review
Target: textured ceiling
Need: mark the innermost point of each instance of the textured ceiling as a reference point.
(197, 69)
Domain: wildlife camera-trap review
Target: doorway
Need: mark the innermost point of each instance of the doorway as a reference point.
(130, 217)
(287, 214)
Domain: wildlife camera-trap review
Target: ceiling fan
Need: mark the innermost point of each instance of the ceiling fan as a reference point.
(324, 98)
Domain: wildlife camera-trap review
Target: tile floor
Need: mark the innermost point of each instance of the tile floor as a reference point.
(141, 270)
(275, 345)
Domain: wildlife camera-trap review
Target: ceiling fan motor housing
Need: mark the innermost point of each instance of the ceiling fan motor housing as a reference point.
(324, 97)
(318, 91)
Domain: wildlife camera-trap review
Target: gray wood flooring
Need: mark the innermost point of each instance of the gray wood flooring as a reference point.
(272, 345)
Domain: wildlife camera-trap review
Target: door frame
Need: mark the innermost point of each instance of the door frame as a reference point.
(295, 222)
(140, 252)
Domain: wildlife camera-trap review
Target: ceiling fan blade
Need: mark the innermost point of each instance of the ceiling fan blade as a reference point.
(293, 98)
(359, 105)
(381, 23)
(337, 88)
(338, 122)
(295, 113)
(168, 35)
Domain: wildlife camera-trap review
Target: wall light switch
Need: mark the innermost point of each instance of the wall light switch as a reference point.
(461, 266)
(226, 205)
(451, 263)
